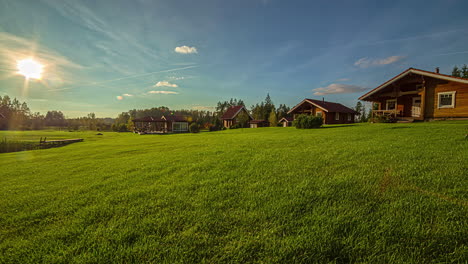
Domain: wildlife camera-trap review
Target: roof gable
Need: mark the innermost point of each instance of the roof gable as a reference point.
(325, 106)
(233, 111)
(414, 71)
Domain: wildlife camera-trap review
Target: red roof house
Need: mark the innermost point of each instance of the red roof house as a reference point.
(332, 113)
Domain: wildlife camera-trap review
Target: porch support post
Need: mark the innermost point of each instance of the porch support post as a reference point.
(423, 100)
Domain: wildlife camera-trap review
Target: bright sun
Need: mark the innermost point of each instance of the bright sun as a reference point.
(30, 69)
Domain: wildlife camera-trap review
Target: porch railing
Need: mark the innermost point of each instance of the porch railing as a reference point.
(388, 113)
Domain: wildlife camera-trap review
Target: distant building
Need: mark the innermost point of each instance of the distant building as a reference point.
(165, 124)
(417, 95)
(259, 123)
(286, 121)
(332, 113)
(230, 117)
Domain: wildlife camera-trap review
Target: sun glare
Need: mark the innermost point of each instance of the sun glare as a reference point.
(30, 69)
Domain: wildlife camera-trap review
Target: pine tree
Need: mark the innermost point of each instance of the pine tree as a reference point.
(273, 119)
(456, 72)
(464, 71)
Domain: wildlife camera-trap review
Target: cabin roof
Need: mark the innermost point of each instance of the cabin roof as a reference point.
(258, 121)
(171, 118)
(287, 119)
(233, 111)
(326, 106)
(414, 71)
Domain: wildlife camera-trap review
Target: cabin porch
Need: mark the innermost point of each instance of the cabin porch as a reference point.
(405, 107)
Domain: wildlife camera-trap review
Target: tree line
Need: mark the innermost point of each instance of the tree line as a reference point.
(16, 115)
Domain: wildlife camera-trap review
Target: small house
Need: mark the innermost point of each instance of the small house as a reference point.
(165, 124)
(286, 121)
(418, 95)
(332, 113)
(259, 123)
(234, 115)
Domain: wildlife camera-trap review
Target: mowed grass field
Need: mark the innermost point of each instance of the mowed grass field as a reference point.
(366, 193)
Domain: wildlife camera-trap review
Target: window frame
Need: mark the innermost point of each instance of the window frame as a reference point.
(349, 117)
(452, 93)
(337, 116)
(390, 100)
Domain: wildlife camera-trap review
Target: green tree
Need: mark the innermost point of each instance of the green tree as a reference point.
(464, 71)
(456, 72)
(273, 119)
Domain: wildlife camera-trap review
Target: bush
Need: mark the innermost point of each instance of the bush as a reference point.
(235, 126)
(383, 119)
(194, 128)
(308, 121)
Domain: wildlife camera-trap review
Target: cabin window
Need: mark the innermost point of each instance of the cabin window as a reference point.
(337, 116)
(319, 114)
(180, 127)
(446, 100)
(349, 117)
(391, 104)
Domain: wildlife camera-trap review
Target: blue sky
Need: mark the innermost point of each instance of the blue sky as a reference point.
(111, 56)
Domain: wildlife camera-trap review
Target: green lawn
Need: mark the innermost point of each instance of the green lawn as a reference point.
(375, 193)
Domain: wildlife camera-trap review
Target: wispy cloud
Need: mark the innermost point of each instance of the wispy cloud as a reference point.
(452, 53)
(186, 50)
(127, 95)
(338, 88)
(202, 107)
(143, 74)
(162, 92)
(343, 80)
(366, 62)
(165, 84)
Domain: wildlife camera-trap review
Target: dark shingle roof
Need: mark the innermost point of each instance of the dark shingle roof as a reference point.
(332, 107)
(232, 112)
(172, 118)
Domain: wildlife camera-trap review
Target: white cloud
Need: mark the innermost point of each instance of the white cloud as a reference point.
(338, 88)
(186, 50)
(162, 92)
(128, 95)
(165, 84)
(119, 97)
(366, 62)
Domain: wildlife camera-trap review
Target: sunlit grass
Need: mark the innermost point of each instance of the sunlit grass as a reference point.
(382, 193)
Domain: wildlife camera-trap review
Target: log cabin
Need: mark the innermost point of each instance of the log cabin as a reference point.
(416, 94)
(231, 116)
(286, 121)
(165, 124)
(259, 123)
(332, 113)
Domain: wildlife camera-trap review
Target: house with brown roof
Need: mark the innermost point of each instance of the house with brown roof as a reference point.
(164, 124)
(234, 115)
(259, 123)
(332, 113)
(286, 121)
(416, 94)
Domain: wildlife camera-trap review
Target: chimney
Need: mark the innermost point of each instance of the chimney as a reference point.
(323, 99)
(437, 70)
